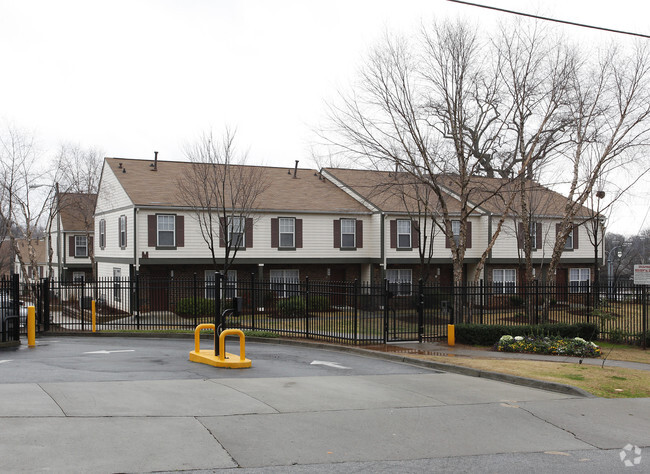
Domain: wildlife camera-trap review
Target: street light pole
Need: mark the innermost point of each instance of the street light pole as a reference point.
(610, 269)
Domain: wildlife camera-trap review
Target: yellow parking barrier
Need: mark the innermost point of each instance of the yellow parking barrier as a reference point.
(224, 359)
(94, 316)
(451, 335)
(31, 326)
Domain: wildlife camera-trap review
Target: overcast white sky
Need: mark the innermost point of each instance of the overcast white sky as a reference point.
(131, 77)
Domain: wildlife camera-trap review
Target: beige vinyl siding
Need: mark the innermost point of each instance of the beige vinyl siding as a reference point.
(111, 193)
(112, 248)
(317, 238)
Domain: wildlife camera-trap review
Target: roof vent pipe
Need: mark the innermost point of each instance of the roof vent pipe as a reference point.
(155, 161)
(295, 170)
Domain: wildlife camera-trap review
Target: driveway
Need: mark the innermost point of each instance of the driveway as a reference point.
(106, 404)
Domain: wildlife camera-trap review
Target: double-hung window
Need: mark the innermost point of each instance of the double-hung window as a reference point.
(117, 284)
(404, 234)
(285, 283)
(532, 232)
(568, 245)
(579, 280)
(399, 281)
(348, 233)
(78, 277)
(80, 246)
(455, 230)
(166, 230)
(504, 281)
(287, 228)
(236, 235)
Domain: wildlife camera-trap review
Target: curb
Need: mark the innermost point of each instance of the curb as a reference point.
(445, 367)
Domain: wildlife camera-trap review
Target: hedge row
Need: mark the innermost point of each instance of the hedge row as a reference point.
(489, 334)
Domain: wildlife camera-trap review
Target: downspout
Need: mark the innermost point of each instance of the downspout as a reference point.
(136, 261)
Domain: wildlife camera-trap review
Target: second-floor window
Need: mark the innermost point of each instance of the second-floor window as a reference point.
(122, 231)
(166, 230)
(348, 233)
(236, 234)
(287, 228)
(532, 232)
(80, 246)
(455, 230)
(102, 234)
(403, 234)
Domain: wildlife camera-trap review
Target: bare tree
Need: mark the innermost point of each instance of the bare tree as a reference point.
(435, 115)
(610, 114)
(21, 207)
(223, 193)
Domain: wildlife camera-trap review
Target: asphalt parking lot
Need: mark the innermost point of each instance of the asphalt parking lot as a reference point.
(107, 404)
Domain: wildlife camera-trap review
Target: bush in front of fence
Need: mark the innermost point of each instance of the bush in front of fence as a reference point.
(195, 307)
(489, 334)
(295, 306)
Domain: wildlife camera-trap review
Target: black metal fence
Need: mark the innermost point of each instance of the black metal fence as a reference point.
(347, 312)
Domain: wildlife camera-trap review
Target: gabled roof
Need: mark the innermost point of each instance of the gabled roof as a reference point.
(398, 192)
(306, 192)
(76, 210)
(40, 250)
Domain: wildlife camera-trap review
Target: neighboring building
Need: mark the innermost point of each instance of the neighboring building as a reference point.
(333, 224)
(71, 237)
(34, 272)
(503, 269)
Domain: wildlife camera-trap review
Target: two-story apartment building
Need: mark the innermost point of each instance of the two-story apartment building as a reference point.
(331, 224)
(302, 226)
(70, 236)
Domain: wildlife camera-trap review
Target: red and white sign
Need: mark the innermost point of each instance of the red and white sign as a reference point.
(642, 274)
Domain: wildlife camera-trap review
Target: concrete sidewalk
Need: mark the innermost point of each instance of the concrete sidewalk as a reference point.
(119, 405)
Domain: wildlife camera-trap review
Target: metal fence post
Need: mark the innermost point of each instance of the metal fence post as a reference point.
(194, 300)
(536, 301)
(482, 301)
(356, 311)
(420, 309)
(307, 299)
(254, 300)
(46, 304)
(136, 275)
(645, 318)
(385, 302)
(217, 311)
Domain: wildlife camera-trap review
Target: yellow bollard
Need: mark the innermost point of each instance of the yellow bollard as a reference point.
(31, 326)
(94, 316)
(451, 335)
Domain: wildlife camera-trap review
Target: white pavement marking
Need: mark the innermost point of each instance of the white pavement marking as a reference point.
(6, 360)
(109, 352)
(329, 364)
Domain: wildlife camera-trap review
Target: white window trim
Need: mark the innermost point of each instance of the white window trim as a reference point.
(122, 230)
(280, 233)
(570, 236)
(78, 246)
(242, 221)
(398, 278)
(158, 230)
(504, 289)
(284, 282)
(353, 233)
(533, 235)
(584, 276)
(455, 230)
(409, 234)
(102, 233)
